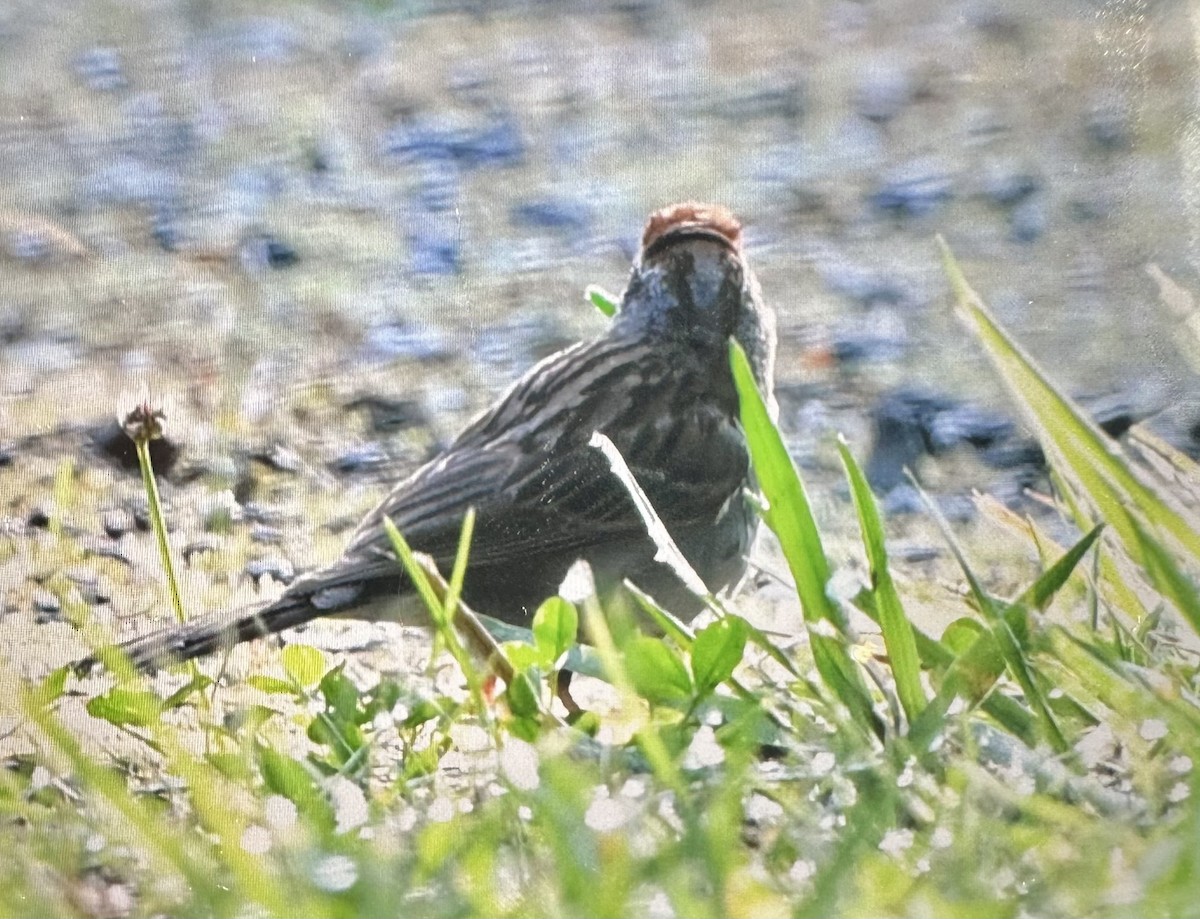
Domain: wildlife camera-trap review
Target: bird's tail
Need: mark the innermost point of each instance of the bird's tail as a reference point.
(213, 632)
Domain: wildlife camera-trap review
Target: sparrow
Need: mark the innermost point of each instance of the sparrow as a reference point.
(657, 383)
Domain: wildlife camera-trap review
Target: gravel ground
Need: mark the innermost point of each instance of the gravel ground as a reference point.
(322, 235)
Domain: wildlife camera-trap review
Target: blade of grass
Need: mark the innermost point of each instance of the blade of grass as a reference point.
(1001, 628)
(1039, 594)
(1065, 433)
(667, 552)
(789, 515)
(897, 630)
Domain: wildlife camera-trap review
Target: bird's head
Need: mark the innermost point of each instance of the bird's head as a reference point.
(691, 281)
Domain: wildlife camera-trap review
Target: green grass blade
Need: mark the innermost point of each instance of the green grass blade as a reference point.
(600, 298)
(1165, 573)
(1002, 631)
(459, 573)
(788, 511)
(415, 572)
(1083, 451)
(789, 515)
(897, 630)
(1039, 594)
(668, 552)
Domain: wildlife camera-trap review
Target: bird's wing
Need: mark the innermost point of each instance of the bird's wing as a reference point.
(567, 500)
(538, 486)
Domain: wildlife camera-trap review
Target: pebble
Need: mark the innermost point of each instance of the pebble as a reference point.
(155, 135)
(116, 522)
(201, 546)
(553, 214)
(1107, 126)
(277, 567)
(364, 458)
(868, 286)
(410, 341)
(263, 251)
(473, 143)
(279, 457)
(127, 181)
(439, 185)
(103, 547)
(967, 424)
(1028, 220)
(513, 345)
(261, 38)
(914, 189)
(388, 415)
(268, 535)
(771, 97)
(93, 588)
(434, 251)
(902, 419)
(46, 602)
(914, 553)
(903, 499)
(28, 244)
(884, 88)
(44, 355)
(884, 339)
(101, 69)
(1007, 184)
(258, 512)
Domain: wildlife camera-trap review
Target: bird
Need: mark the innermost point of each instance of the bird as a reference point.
(657, 383)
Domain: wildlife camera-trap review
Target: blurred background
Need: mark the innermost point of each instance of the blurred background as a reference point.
(344, 225)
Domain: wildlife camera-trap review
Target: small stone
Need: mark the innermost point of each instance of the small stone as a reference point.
(474, 144)
(101, 69)
(553, 214)
(388, 415)
(103, 547)
(1107, 126)
(884, 88)
(1028, 220)
(395, 340)
(967, 424)
(434, 252)
(278, 568)
(39, 516)
(46, 602)
(116, 522)
(916, 189)
(868, 286)
(903, 499)
(439, 185)
(902, 420)
(368, 457)
(1007, 184)
(914, 554)
(258, 512)
(280, 458)
(200, 546)
(269, 535)
(93, 588)
(263, 251)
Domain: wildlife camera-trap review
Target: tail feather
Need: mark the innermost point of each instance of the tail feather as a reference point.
(214, 632)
